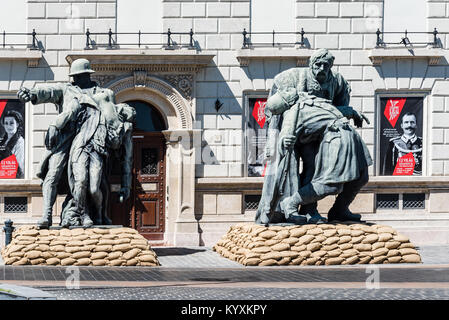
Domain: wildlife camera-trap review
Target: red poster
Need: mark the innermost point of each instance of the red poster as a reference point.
(405, 165)
(2, 105)
(258, 111)
(393, 110)
(8, 167)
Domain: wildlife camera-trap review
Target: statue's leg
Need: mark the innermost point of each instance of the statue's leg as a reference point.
(308, 153)
(104, 186)
(80, 170)
(49, 187)
(95, 176)
(310, 193)
(340, 209)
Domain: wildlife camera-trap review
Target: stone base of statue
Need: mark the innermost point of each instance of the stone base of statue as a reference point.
(323, 244)
(97, 246)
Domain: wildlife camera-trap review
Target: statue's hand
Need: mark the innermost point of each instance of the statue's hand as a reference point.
(289, 141)
(358, 118)
(51, 138)
(124, 194)
(25, 95)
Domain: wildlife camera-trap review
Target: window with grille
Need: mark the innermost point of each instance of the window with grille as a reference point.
(413, 201)
(16, 205)
(405, 201)
(387, 201)
(252, 201)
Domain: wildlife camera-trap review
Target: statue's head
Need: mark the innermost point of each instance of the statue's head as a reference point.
(80, 70)
(321, 63)
(127, 112)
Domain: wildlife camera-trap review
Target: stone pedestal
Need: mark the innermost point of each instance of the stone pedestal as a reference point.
(324, 244)
(79, 247)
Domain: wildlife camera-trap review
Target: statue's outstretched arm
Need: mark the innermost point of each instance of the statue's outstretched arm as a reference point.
(42, 93)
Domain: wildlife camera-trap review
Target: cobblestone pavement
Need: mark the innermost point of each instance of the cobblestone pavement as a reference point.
(175, 257)
(198, 273)
(180, 293)
(178, 257)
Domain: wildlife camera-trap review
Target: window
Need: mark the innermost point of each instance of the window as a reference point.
(400, 142)
(13, 17)
(12, 139)
(269, 15)
(387, 201)
(413, 200)
(405, 201)
(16, 205)
(252, 201)
(401, 15)
(143, 15)
(256, 130)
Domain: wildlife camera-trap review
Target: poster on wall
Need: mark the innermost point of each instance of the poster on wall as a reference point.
(12, 141)
(401, 130)
(256, 137)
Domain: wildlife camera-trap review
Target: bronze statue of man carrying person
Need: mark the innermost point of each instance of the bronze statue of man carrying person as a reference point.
(308, 113)
(88, 127)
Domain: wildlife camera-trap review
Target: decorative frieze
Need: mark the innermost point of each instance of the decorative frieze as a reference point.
(182, 82)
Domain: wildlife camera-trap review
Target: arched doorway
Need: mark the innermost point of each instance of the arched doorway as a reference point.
(145, 209)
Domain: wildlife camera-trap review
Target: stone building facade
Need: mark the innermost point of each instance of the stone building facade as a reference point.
(201, 85)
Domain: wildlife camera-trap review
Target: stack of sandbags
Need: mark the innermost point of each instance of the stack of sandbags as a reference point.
(324, 244)
(79, 247)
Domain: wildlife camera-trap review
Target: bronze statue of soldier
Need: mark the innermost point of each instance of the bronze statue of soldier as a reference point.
(75, 102)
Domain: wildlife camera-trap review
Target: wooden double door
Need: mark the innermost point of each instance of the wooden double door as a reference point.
(145, 208)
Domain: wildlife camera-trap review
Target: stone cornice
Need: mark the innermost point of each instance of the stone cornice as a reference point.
(176, 61)
(434, 55)
(31, 56)
(376, 183)
(244, 56)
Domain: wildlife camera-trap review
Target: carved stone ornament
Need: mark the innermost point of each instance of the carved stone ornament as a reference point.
(104, 79)
(139, 78)
(182, 82)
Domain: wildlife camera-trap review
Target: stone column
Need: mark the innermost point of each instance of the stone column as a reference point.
(181, 225)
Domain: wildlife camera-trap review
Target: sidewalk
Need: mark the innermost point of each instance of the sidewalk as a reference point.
(204, 257)
(199, 273)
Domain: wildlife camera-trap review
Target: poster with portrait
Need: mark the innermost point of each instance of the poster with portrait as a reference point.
(401, 136)
(256, 137)
(12, 139)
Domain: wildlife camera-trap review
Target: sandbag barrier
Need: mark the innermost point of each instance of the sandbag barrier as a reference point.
(79, 247)
(324, 244)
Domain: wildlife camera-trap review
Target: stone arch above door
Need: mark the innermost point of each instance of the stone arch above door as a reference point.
(170, 103)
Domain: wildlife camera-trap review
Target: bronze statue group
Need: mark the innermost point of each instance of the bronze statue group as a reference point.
(309, 119)
(89, 128)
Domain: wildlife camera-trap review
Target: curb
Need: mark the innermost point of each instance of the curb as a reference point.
(13, 292)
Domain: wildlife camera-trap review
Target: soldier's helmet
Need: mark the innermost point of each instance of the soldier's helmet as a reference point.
(80, 66)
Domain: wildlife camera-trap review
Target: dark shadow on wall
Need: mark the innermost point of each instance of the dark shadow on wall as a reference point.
(161, 252)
